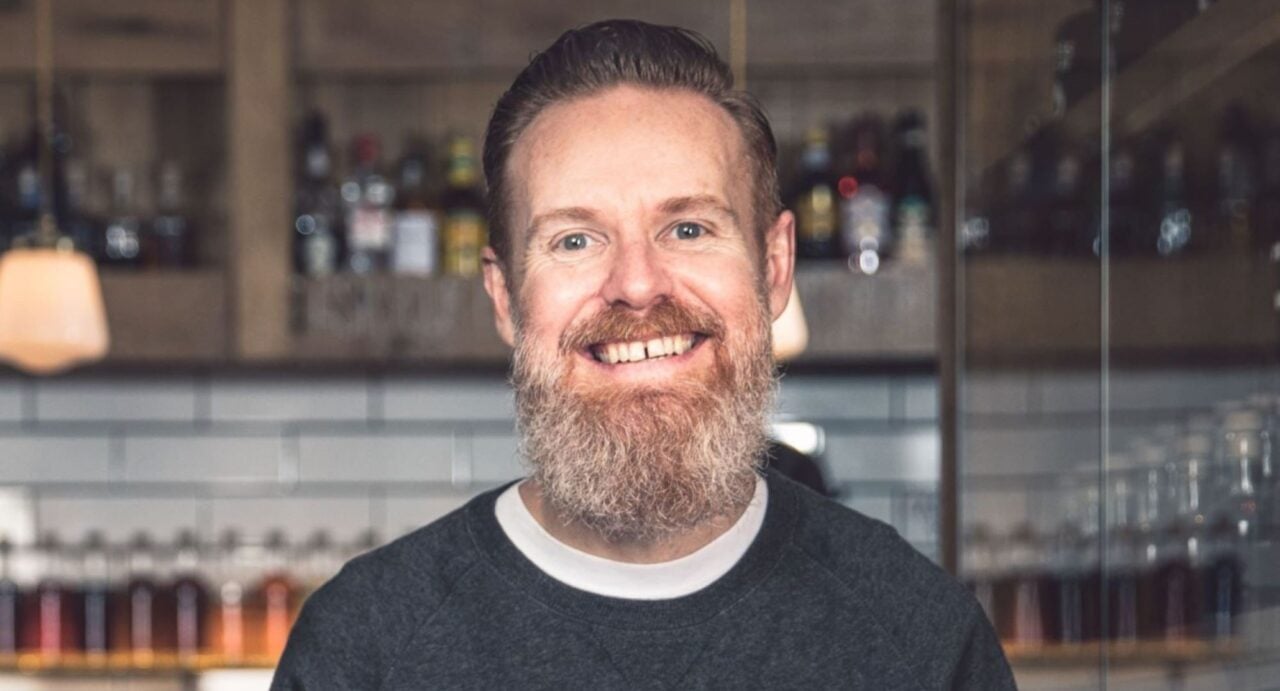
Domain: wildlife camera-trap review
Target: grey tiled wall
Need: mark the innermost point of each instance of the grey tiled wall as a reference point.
(350, 453)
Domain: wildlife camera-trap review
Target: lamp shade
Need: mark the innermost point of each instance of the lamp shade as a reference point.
(790, 330)
(51, 310)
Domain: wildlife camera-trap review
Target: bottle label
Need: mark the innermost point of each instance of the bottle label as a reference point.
(816, 215)
(464, 237)
(864, 220)
(370, 229)
(417, 242)
(912, 229)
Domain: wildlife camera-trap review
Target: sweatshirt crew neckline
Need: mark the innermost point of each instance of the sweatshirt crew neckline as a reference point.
(751, 569)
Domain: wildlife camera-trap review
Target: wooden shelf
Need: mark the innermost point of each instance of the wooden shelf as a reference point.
(890, 316)
(166, 316)
(1193, 310)
(124, 665)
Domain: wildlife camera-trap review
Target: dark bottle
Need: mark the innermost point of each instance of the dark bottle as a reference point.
(1068, 226)
(26, 190)
(1267, 235)
(865, 229)
(78, 222)
(913, 199)
(122, 236)
(317, 224)
(95, 596)
(1077, 58)
(465, 232)
(1131, 231)
(190, 600)
(10, 597)
(168, 240)
(367, 197)
(277, 596)
(1237, 179)
(1176, 226)
(416, 223)
(1015, 224)
(814, 199)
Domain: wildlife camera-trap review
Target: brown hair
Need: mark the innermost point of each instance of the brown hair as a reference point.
(622, 51)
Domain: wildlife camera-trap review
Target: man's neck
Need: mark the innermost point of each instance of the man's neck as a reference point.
(584, 539)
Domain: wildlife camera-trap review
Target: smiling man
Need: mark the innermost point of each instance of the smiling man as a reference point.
(638, 256)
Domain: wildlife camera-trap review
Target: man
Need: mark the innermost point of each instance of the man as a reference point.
(638, 255)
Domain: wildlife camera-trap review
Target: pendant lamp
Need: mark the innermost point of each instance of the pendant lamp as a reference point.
(52, 315)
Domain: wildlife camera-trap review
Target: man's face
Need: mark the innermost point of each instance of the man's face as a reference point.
(642, 296)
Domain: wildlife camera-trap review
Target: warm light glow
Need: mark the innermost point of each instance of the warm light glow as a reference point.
(51, 310)
(790, 331)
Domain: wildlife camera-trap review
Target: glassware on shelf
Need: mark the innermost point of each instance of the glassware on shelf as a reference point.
(230, 593)
(57, 620)
(10, 597)
(1023, 603)
(276, 595)
(1124, 554)
(95, 596)
(139, 604)
(190, 596)
(978, 567)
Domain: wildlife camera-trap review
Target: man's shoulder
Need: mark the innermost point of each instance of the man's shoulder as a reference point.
(901, 588)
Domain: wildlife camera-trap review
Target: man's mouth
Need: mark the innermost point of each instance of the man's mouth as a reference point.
(619, 352)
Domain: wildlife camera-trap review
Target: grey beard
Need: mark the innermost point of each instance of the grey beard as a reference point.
(641, 465)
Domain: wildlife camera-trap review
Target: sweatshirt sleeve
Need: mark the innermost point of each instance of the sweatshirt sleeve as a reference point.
(983, 664)
(332, 644)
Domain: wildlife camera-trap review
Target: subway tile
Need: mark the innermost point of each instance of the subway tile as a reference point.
(11, 390)
(874, 506)
(202, 458)
(406, 514)
(983, 393)
(1074, 392)
(494, 458)
(448, 398)
(920, 398)
(378, 458)
(41, 458)
(281, 399)
(118, 518)
(807, 397)
(1184, 390)
(997, 511)
(1039, 450)
(891, 455)
(134, 399)
(344, 517)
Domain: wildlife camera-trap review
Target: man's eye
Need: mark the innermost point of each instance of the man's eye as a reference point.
(688, 231)
(574, 242)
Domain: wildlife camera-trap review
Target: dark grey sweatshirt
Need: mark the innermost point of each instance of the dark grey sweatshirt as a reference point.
(823, 598)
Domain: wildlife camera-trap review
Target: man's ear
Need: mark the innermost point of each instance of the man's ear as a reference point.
(497, 286)
(780, 261)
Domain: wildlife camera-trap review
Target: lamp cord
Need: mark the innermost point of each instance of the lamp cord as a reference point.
(46, 231)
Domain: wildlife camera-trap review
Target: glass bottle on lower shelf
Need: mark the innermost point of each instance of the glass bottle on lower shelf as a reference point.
(1022, 600)
(230, 591)
(190, 598)
(276, 596)
(95, 598)
(54, 608)
(9, 601)
(137, 633)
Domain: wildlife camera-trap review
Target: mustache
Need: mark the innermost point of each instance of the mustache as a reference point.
(619, 323)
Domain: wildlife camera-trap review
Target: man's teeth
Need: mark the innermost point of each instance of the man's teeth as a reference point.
(635, 351)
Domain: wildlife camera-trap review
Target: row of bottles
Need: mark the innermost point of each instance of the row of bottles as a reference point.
(1164, 199)
(860, 196)
(146, 604)
(418, 218)
(1187, 518)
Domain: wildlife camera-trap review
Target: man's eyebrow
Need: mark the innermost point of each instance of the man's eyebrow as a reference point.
(570, 214)
(697, 202)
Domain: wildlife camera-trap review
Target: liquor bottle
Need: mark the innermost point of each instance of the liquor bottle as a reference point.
(230, 600)
(1237, 179)
(1123, 557)
(1022, 598)
(864, 204)
(190, 599)
(1077, 57)
(140, 601)
(168, 240)
(277, 596)
(78, 222)
(122, 236)
(1177, 227)
(95, 595)
(1070, 229)
(814, 199)
(1131, 231)
(367, 197)
(317, 224)
(1267, 236)
(1015, 223)
(416, 223)
(465, 233)
(10, 597)
(26, 190)
(912, 190)
(58, 620)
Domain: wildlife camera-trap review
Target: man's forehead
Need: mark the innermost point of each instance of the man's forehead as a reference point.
(659, 144)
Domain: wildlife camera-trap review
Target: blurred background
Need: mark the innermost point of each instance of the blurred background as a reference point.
(1038, 246)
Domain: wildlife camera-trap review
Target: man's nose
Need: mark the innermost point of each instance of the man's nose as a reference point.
(637, 277)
